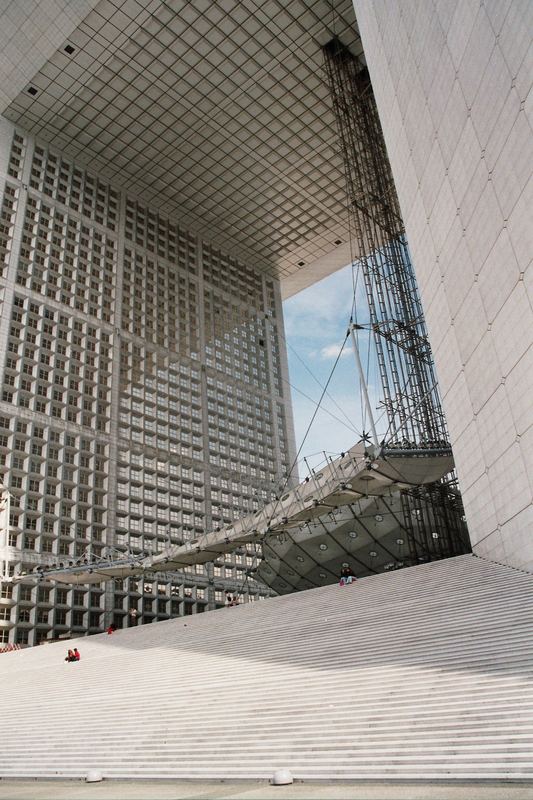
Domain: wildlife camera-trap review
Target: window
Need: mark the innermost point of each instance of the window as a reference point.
(25, 593)
(77, 619)
(61, 596)
(79, 597)
(94, 619)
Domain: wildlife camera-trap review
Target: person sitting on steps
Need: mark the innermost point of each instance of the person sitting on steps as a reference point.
(347, 575)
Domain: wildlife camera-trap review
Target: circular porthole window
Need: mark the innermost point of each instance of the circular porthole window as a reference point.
(323, 546)
(399, 541)
(378, 518)
(353, 534)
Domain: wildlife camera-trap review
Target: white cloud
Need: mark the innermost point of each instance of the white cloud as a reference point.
(316, 321)
(332, 351)
(311, 313)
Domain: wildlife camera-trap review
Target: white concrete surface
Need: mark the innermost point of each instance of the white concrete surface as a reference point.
(452, 81)
(420, 674)
(31, 32)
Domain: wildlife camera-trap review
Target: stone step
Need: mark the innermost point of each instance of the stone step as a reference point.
(419, 674)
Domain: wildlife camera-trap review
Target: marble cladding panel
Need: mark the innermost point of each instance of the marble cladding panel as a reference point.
(510, 489)
(496, 426)
(519, 386)
(526, 446)
(515, 536)
(496, 284)
(482, 372)
(472, 466)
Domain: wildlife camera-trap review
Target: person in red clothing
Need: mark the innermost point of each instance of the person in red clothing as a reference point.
(347, 575)
(112, 628)
(76, 654)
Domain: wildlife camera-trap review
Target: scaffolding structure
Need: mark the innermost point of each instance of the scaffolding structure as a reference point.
(410, 394)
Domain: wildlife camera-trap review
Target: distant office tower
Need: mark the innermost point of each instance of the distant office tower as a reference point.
(143, 394)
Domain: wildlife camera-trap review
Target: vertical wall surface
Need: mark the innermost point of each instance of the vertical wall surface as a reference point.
(143, 395)
(452, 83)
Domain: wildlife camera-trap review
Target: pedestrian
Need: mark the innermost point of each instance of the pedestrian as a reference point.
(228, 600)
(112, 628)
(347, 575)
(133, 614)
(70, 656)
(76, 654)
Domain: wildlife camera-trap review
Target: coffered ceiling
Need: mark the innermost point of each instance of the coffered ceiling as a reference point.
(217, 113)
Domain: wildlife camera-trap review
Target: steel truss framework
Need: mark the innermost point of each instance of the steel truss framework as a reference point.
(433, 515)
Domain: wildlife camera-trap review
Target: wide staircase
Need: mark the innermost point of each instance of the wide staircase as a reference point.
(424, 673)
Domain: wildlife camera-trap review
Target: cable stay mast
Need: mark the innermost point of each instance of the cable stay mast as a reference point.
(409, 385)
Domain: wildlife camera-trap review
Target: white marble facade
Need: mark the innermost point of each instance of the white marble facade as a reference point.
(452, 81)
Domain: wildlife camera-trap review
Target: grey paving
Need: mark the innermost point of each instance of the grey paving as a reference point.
(254, 790)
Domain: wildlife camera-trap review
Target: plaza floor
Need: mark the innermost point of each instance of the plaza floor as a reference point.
(255, 790)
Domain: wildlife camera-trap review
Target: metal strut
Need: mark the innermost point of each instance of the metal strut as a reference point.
(403, 351)
(410, 391)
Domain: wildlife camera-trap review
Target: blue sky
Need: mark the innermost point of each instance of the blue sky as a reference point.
(316, 321)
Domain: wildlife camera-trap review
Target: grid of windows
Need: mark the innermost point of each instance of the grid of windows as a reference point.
(232, 277)
(240, 430)
(184, 445)
(58, 365)
(58, 482)
(16, 155)
(57, 178)
(160, 302)
(66, 259)
(159, 502)
(7, 221)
